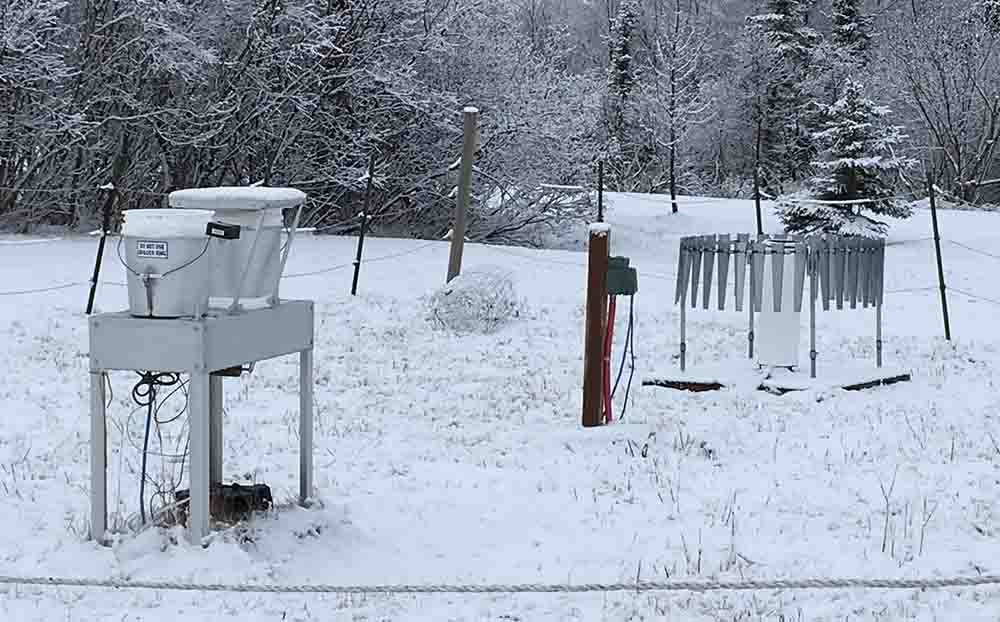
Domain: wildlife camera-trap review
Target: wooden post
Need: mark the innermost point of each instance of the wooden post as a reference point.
(105, 226)
(471, 125)
(937, 251)
(365, 217)
(597, 296)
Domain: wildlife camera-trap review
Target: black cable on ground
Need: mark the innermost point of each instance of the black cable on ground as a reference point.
(144, 395)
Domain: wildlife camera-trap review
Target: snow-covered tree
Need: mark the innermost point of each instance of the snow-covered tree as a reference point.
(621, 73)
(850, 30)
(857, 174)
(991, 14)
(781, 37)
(785, 24)
(940, 68)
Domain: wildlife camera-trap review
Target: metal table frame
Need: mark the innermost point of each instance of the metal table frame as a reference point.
(200, 348)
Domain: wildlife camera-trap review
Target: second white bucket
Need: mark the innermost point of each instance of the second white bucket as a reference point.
(250, 267)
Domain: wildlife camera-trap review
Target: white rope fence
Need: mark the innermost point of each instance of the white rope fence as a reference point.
(681, 585)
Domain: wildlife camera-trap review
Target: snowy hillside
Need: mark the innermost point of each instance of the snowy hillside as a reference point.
(444, 458)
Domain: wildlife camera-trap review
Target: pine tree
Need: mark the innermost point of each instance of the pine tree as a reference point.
(621, 82)
(858, 168)
(850, 28)
(785, 24)
(785, 141)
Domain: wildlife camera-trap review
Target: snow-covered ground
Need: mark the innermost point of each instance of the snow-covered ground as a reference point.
(444, 458)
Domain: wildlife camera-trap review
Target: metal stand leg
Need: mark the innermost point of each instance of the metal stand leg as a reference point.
(813, 292)
(751, 303)
(305, 425)
(98, 458)
(198, 409)
(215, 429)
(878, 335)
(683, 336)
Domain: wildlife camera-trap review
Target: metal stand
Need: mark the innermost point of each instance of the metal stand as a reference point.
(198, 347)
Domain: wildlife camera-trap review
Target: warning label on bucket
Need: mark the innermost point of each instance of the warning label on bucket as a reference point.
(151, 249)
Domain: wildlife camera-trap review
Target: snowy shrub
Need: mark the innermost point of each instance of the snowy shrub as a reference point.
(480, 300)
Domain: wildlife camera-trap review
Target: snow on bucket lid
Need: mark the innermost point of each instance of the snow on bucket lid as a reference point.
(237, 197)
(166, 223)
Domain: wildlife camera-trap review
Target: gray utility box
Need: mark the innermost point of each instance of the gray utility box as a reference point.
(622, 280)
(203, 348)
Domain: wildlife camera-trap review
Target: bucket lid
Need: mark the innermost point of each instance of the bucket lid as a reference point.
(237, 198)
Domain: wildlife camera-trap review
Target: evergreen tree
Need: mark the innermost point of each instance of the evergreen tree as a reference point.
(786, 28)
(785, 146)
(856, 177)
(621, 73)
(850, 28)
(621, 82)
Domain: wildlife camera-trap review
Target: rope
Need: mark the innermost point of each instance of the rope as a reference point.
(974, 250)
(708, 585)
(363, 261)
(974, 296)
(40, 290)
(911, 289)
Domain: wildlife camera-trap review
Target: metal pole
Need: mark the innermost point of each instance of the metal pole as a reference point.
(756, 199)
(464, 191)
(98, 458)
(357, 259)
(305, 425)
(597, 296)
(813, 292)
(215, 403)
(750, 296)
(878, 335)
(937, 251)
(105, 225)
(600, 191)
(683, 335)
(198, 434)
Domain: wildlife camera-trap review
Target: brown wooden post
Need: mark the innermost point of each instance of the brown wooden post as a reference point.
(471, 133)
(597, 300)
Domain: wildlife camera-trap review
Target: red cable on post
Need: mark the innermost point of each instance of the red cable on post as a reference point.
(606, 364)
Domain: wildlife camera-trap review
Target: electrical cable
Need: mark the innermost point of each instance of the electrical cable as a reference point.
(629, 351)
(144, 395)
(631, 348)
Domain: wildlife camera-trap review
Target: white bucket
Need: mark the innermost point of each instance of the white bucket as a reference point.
(777, 332)
(165, 261)
(244, 206)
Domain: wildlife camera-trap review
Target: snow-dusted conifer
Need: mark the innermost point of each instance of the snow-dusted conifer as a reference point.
(850, 28)
(785, 25)
(856, 175)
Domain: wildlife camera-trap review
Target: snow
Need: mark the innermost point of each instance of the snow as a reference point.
(236, 198)
(461, 458)
(166, 223)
